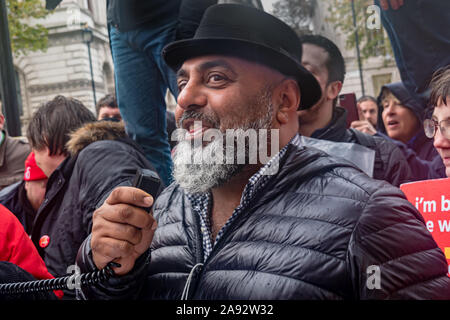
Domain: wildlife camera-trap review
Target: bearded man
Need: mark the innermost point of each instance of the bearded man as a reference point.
(302, 225)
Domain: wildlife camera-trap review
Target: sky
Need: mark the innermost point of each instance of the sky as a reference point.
(267, 4)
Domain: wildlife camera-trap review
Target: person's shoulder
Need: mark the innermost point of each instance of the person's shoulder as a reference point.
(20, 140)
(8, 221)
(384, 143)
(347, 179)
(372, 187)
(332, 175)
(107, 145)
(9, 191)
(377, 199)
(17, 150)
(94, 133)
(390, 152)
(20, 143)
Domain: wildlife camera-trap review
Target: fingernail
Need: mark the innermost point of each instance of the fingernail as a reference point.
(154, 226)
(148, 201)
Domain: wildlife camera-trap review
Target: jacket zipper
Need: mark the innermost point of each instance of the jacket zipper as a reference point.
(217, 247)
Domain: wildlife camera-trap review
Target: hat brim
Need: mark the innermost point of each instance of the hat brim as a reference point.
(176, 53)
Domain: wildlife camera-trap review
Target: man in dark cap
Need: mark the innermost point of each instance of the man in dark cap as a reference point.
(302, 225)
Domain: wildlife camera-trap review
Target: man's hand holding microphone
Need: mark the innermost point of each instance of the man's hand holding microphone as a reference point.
(121, 229)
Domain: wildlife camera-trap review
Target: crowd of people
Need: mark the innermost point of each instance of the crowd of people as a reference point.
(309, 229)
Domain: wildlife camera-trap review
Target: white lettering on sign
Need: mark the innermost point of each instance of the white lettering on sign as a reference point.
(445, 204)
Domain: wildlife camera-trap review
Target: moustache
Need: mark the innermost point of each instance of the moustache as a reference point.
(214, 122)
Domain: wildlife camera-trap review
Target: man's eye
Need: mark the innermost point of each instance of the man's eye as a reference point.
(181, 84)
(216, 78)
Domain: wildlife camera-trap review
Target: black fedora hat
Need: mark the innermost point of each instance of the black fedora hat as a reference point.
(249, 33)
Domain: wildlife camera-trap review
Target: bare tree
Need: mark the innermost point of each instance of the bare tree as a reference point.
(296, 13)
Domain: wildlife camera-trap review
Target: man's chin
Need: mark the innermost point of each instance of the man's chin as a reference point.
(201, 178)
(197, 170)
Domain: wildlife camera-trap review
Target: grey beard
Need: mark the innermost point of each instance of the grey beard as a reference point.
(201, 177)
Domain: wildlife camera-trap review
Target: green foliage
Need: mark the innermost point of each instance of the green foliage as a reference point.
(295, 13)
(372, 42)
(25, 35)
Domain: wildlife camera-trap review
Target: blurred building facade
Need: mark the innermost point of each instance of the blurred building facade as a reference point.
(64, 67)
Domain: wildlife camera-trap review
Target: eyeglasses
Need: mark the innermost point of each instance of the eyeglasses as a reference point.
(430, 126)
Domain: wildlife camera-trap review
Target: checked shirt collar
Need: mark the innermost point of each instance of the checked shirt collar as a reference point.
(201, 202)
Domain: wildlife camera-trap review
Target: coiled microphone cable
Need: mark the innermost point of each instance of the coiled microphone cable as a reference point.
(59, 283)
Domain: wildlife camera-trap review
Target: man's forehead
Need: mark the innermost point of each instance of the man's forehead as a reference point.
(314, 55)
(107, 108)
(210, 60)
(368, 104)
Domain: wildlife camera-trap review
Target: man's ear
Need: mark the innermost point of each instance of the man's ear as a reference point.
(288, 99)
(333, 89)
(2, 121)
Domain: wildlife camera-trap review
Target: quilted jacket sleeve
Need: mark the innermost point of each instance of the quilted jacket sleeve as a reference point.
(118, 287)
(392, 255)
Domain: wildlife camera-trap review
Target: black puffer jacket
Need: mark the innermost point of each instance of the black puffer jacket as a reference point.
(101, 159)
(311, 233)
(390, 163)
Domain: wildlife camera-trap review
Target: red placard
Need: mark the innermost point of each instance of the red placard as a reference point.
(432, 199)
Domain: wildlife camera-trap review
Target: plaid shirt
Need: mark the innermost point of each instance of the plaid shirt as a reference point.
(201, 202)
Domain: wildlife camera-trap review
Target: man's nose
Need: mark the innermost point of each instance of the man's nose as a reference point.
(191, 95)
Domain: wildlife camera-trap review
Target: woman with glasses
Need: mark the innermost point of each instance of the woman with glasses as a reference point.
(438, 127)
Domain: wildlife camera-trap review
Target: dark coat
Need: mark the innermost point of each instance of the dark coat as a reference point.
(390, 163)
(317, 230)
(14, 197)
(102, 158)
(13, 153)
